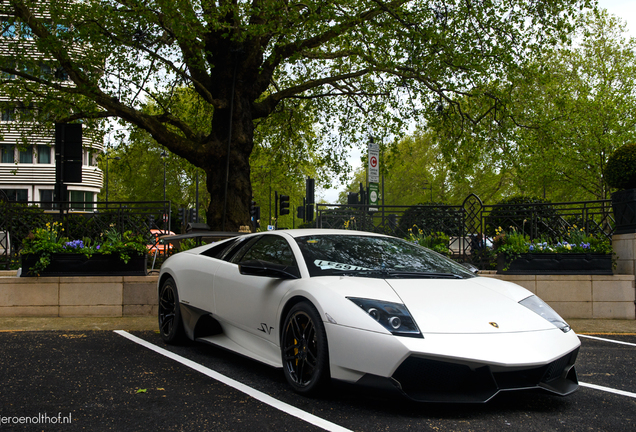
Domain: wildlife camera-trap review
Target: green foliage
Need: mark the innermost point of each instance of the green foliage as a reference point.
(437, 217)
(620, 171)
(437, 241)
(187, 244)
(553, 123)
(50, 239)
(520, 213)
(416, 172)
(19, 218)
(348, 68)
(513, 243)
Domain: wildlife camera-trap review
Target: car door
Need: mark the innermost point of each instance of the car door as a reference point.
(251, 302)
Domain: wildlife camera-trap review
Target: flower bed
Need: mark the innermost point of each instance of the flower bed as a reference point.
(576, 253)
(46, 252)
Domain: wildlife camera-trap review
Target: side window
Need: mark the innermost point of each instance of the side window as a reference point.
(272, 249)
(219, 250)
(238, 249)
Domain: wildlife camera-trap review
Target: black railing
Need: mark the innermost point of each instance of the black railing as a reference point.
(82, 220)
(473, 225)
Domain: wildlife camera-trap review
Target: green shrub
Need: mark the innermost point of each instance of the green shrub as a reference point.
(436, 217)
(620, 171)
(527, 214)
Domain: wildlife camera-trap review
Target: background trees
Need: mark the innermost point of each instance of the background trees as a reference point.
(353, 67)
(567, 110)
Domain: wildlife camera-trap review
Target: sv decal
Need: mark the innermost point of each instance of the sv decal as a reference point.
(265, 329)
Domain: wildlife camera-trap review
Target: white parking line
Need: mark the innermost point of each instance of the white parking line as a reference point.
(609, 390)
(607, 340)
(266, 399)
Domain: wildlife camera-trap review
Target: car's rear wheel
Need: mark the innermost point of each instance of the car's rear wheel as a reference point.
(304, 349)
(170, 323)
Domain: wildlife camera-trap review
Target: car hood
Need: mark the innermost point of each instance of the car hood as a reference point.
(476, 305)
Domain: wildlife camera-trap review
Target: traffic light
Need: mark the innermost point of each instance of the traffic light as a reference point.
(193, 215)
(309, 191)
(309, 212)
(300, 212)
(255, 214)
(182, 215)
(284, 204)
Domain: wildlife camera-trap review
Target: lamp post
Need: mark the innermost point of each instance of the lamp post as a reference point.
(163, 156)
(107, 159)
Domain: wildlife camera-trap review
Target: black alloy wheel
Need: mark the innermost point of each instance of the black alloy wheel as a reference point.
(304, 349)
(170, 324)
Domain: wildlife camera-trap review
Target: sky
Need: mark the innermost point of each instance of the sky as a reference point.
(625, 9)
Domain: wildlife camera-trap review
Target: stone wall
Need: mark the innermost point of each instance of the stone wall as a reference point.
(111, 296)
(582, 296)
(577, 296)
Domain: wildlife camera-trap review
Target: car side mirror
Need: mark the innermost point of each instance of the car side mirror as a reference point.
(268, 269)
(471, 267)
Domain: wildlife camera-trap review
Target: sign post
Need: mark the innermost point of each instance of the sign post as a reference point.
(374, 175)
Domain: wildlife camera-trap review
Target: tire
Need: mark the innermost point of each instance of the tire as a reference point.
(170, 322)
(304, 350)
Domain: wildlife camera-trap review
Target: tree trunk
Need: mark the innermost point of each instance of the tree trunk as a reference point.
(231, 194)
(239, 192)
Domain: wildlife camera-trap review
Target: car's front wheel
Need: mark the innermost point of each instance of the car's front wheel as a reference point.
(170, 323)
(304, 349)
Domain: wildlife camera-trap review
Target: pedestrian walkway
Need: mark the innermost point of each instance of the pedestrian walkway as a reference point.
(583, 326)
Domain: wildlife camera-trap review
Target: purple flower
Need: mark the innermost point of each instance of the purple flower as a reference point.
(75, 244)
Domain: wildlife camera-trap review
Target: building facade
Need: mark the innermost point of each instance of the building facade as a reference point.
(27, 151)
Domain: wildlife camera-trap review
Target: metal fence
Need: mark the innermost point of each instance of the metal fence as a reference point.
(82, 220)
(472, 226)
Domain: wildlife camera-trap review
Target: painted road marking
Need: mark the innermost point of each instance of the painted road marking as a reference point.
(275, 403)
(608, 340)
(260, 396)
(609, 390)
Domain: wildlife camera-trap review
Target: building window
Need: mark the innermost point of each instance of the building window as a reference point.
(8, 114)
(82, 201)
(89, 157)
(26, 156)
(44, 154)
(21, 195)
(8, 154)
(46, 199)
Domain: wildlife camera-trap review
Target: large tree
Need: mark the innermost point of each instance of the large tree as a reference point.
(563, 114)
(360, 66)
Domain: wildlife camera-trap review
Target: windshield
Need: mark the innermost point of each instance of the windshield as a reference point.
(370, 256)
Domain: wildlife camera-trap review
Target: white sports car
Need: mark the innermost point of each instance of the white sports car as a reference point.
(368, 309)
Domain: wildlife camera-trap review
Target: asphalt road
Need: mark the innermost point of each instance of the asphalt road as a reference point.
(105, 381)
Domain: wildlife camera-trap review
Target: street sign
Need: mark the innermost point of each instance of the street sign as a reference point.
(374, 163)
(374, 194)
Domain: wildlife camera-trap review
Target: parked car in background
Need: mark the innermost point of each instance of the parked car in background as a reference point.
(158, 245)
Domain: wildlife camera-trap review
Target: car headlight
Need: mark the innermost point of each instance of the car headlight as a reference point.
(538, 306)
(394, 317)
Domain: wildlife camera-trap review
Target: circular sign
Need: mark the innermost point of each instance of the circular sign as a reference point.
(374, 161)
(165, 217)
(374, 196)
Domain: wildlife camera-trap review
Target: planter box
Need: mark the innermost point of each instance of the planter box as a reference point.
(79, 265)
(557, 264)
(624, 206)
